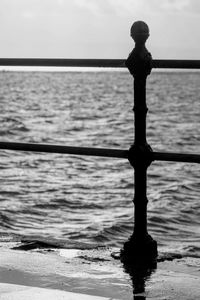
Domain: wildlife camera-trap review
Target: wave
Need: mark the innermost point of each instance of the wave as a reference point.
(89, 200)
(12, 126)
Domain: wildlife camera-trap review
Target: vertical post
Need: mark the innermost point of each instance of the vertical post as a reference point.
(140, 244)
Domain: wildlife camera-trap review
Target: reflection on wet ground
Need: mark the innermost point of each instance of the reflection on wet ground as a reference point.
(139, 274)
(99, 272)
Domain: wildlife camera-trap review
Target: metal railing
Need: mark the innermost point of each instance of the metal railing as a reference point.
(115, 153)
(96, 63)
(140, 154)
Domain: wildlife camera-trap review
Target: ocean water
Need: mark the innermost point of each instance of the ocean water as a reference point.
(84, 201)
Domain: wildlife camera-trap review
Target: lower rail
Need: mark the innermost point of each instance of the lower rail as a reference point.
(64, 149)
(178, 157)
(115, 153)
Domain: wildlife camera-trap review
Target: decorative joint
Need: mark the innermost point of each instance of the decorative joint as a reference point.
(141, 109)
(140, 156)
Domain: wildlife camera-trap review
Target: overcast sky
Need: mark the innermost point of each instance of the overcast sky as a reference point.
(98, 28)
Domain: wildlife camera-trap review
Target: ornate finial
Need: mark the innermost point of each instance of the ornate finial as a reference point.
(140, 32)
(139, 60)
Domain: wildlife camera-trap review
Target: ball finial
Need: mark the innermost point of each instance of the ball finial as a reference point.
(139, 32)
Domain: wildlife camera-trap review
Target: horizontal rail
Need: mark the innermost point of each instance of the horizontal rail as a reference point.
(116, 153)
(175, 64)
(100, 63)
(60, 62)
(179, 157)
(64, 149)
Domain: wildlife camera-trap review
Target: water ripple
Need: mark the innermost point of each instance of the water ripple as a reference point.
(89, 200)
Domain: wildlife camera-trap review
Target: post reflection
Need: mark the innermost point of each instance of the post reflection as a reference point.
(139, 274)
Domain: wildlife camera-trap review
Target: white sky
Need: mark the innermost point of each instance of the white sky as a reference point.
(98, 28)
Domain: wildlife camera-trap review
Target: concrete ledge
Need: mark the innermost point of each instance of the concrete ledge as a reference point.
(21, 292)
(92, 274)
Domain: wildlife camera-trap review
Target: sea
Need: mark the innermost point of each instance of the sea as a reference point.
(86, 202)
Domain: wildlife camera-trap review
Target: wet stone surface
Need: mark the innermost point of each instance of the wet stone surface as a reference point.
(99, 272)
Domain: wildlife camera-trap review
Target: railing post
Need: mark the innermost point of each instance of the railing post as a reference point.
(140, 244)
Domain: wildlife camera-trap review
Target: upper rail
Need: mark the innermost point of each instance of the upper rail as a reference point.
(100, 63)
